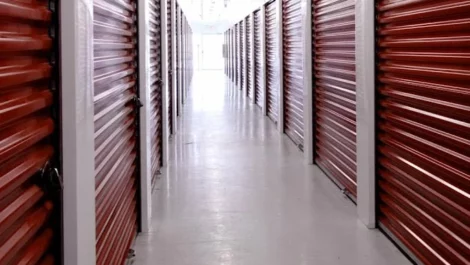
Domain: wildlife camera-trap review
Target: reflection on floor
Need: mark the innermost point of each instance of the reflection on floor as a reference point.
(238, 192)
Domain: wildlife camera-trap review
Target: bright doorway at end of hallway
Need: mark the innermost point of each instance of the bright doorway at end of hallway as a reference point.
(209, 51)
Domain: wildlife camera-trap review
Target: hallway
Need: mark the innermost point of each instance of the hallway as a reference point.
(238, 192)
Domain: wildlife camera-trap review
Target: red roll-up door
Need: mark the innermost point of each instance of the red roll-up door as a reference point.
(242, 54)
(169, 34)
(116, 129)
(237, 55)
(249, 87)
(28, 143)
(293, 71)
(335, 90)
(272, 86)
(156, 86)
(259, 97)
(424, 127)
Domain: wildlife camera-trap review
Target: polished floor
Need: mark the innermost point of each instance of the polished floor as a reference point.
(237, 192)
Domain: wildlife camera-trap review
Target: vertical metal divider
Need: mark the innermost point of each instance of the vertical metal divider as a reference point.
(164, 87)
(145, 153)
(308, 84)
(245, 58)
(366, 112)
(281, 66)
(77, 133)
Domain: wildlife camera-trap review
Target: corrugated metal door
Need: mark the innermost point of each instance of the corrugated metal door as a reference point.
(177, 59)
(272, 87)
(234, 55)
(335, 90)
(27, 132)
(259, 97)
(424, 127)
(293, 71)
(231, 45)
(249, 87)
(230, 54)
(183, 57)
(169, 25)
(242, 54)
(156, 86)
(237, 55)
(116, 129)
(225, 53)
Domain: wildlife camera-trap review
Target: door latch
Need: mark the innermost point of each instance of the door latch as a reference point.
(137, 102)
(159, 82)
(51, 177)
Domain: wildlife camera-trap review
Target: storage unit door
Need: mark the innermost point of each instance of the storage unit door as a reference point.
(234, 55)
(178, 54)
(181, 63)
(183, 57)
(232, 51)
(242, 54)
(156, 86)
(259, 97)
(249, 87)
(229, 51)
(335, 90)
(272, 85)
(237, 55)
(230, 54)
(424, 127)
(293, 70)
(28, 144)
(116, 129)
(225, 52)
(169, 25)
(229, 59)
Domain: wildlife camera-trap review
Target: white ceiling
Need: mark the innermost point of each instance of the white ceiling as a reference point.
(215, 16)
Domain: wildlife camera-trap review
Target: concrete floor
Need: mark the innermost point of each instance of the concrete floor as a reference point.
(237, 192)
